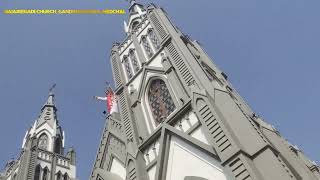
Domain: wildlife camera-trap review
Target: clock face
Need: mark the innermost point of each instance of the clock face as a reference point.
(160, 101)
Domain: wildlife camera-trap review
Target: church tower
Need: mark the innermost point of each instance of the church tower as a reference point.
(43, 151)
(180, 118)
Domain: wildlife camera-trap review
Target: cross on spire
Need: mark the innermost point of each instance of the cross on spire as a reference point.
(52, 88)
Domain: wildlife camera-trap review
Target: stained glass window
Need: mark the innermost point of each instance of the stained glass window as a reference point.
(154, 39)
(127, 66)
(160, 101)
(43, 142)
(146, 46)
(134, 60)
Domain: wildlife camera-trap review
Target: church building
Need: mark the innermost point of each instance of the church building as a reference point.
(43, 151)
(180, 118)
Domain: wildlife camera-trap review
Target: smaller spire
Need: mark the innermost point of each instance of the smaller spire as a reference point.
(50, 100)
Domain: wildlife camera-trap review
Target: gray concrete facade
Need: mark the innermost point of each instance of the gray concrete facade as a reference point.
(241, 144)
(42, 155)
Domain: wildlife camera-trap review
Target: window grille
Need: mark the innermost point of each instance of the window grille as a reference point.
(160, 101)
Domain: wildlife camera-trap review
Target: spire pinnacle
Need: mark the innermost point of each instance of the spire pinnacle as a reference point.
(51, 89)
(50, 100)
(131, 1)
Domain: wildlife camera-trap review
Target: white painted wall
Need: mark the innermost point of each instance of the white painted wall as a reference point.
(156, 62)
(152, 172)
(186, 160)
(199, 135)
(118, 168)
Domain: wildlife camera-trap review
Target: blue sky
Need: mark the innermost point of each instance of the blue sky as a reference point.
(269, 49)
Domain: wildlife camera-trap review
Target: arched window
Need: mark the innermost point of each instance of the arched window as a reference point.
(57, 145)
(146, 46)
(153, 37)
(45, 174)
(65, 176)
(37, 173)
(160, 101)
(134, 60)
(127, 67)
(59, 176)
(135, 25)
(209, 72)
(43, 141)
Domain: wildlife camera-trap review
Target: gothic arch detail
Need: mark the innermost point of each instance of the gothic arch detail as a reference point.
(127, 67)
(37, 172)
(134, 60)
(59, 176)
(57, 146)
(146, 46)
(65, 176)
(43, 141)
(154, 39)
(45, 174)
(160, 100)
(211, 74)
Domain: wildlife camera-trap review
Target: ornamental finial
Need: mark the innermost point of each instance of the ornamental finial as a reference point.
(51, 89)
(131, 1)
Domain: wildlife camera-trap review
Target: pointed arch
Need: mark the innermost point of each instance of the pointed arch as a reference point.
(58, 145)
(45, 174)
(43, 141)
(134, 60)
(65, 176)
(135, 23)
(127, 67)
(154, 39)
(159, 100)
(146, 46)
(59, 176)
(37, 172)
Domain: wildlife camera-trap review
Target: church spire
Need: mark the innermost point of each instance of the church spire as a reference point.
(50, 100)
(48, 111)
(136, 14)
(48, 122)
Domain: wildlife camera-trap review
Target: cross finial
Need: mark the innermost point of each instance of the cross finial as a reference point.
(131, 1)
(52, 88)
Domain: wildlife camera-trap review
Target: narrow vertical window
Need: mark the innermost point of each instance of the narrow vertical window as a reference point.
(127, 67)
(37, 173)
(134, 60)
(57, 145)
(160, 101)
(43, 142)
(146, 46)
(59, 176)
(153, 37)
(209, 72)
(45, 174)
(65, 176)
